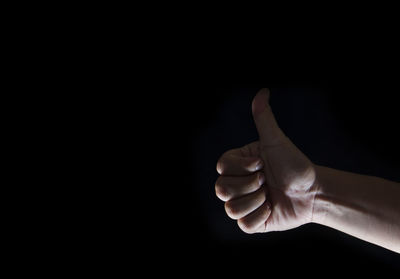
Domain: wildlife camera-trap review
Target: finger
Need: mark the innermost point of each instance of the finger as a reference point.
(249, 150)
(238, 208)
(230, 187)
(268, 130)
(235, 165)
(255, 222)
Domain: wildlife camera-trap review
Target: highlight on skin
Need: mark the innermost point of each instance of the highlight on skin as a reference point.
(270, 185)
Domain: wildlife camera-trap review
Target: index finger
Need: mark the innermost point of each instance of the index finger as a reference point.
(233, 164)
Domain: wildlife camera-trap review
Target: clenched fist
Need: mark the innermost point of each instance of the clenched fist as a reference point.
(268, 185)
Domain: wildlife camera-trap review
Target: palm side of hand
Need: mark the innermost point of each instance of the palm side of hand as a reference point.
(286, 198)
(290, 179)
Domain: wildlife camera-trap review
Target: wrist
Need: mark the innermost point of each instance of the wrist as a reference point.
(321, 203)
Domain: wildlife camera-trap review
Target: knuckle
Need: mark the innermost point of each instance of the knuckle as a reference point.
(260, 178)
(231, 210)
(219, 166)
(221, 192)
(261, 195)
(254, 182)
(245, 226)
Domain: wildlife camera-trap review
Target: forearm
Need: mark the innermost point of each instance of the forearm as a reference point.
(366, 207)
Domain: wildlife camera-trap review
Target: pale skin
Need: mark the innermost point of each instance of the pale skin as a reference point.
(270, 185)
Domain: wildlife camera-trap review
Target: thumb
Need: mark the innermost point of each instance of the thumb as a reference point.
(268, 130)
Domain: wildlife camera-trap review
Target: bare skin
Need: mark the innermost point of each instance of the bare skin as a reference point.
(270, 185)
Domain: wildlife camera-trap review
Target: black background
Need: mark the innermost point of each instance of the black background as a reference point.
(348, 126)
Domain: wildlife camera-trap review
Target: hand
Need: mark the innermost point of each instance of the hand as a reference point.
(268, 185)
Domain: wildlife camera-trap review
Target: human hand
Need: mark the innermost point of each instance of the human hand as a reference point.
(268, 185)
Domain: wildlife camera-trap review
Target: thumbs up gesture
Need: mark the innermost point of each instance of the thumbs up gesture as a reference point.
(267, 185)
